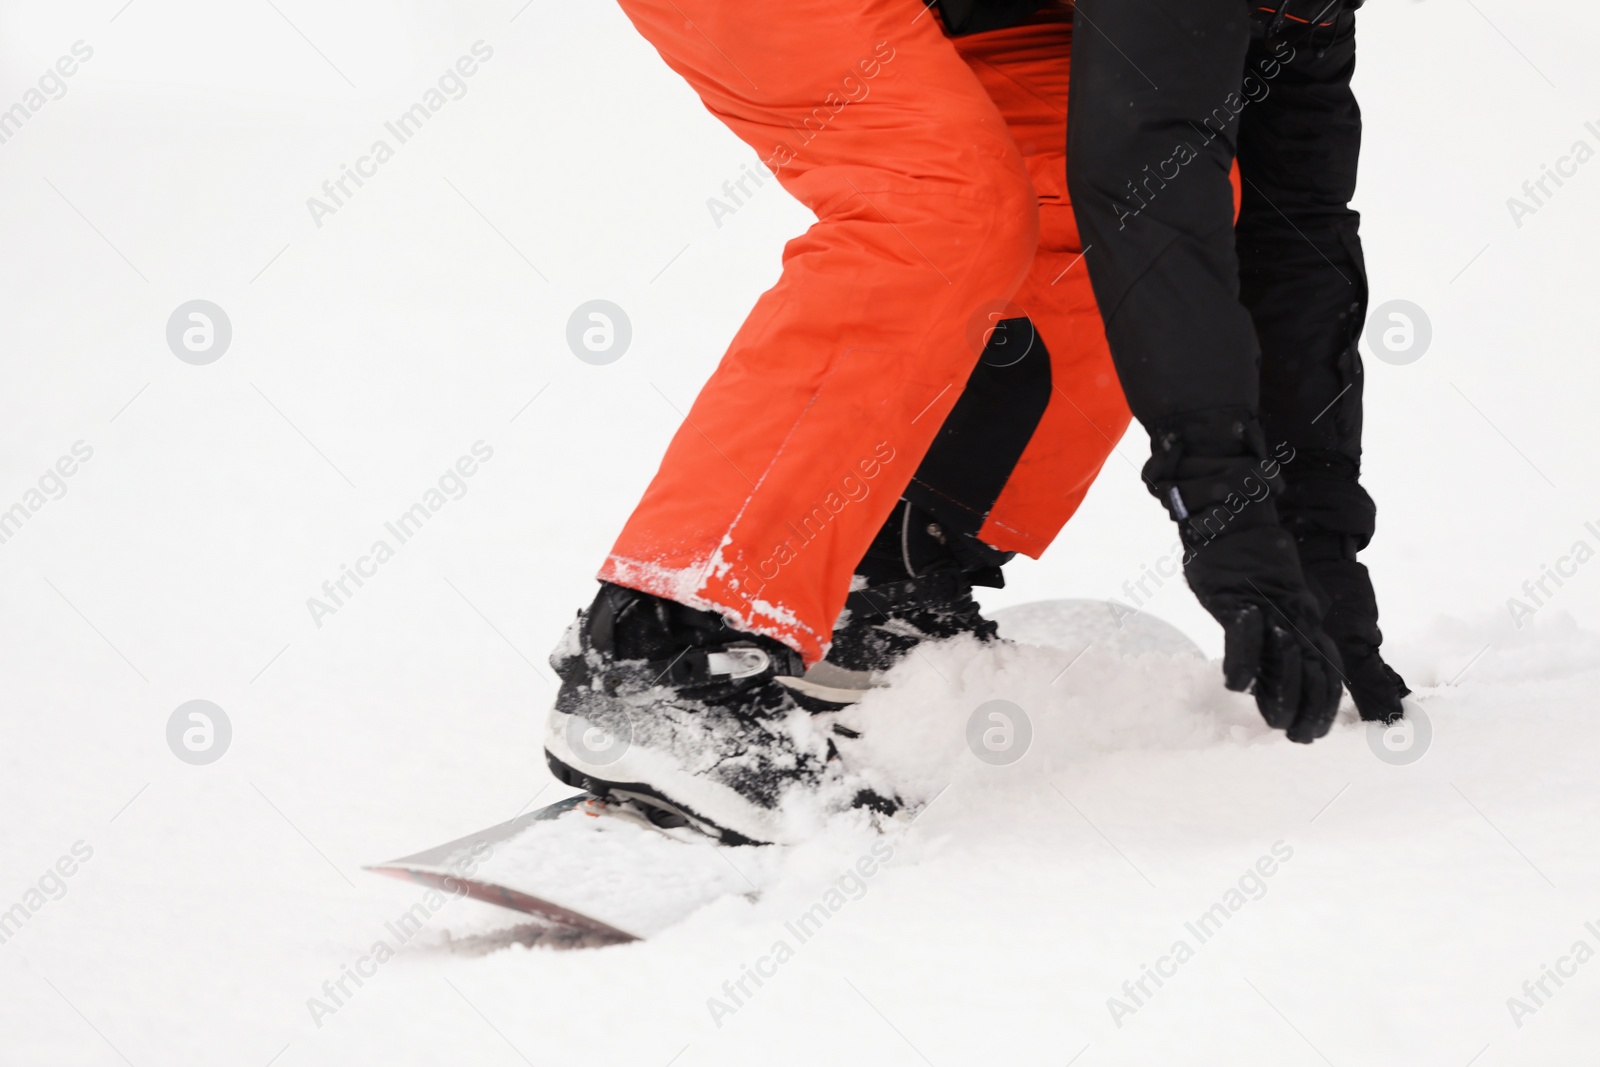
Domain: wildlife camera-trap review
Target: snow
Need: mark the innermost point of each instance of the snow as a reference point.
(429, 313)
(613, 868)
(1110, 624)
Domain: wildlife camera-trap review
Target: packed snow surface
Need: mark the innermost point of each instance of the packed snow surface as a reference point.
(408, 349)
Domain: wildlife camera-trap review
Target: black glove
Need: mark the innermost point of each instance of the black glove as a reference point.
(1332, 518)
(1251, 583)
(1212, 471)
(1350, 618)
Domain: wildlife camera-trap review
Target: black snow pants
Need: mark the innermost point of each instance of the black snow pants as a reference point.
(1204, 314)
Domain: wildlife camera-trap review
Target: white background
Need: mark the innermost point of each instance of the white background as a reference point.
(372, 351)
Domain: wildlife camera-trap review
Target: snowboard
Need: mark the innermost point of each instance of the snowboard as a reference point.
(587, 866)
(1108, 625)
(595, 871)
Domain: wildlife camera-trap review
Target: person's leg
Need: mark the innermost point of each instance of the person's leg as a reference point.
(1151, 142)
(1152, 135)
(1036, 418)
(1042, 409)
(800, 444)
(1026, 70)
(1300, 266)
(1304, 281)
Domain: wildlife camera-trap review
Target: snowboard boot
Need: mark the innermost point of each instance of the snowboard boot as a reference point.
(913, 586)
(672, 708)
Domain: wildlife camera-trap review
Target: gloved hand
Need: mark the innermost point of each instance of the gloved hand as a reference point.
(1332, 518)
(1276, 648)
(1350, 618)
(1213, 472)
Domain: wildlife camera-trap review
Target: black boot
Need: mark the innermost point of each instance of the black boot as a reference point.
(670, 707)
(914, 585)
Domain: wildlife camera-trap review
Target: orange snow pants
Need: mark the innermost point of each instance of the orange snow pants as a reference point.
(936, 169)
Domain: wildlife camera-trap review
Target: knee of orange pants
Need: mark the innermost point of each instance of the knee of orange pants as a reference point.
(1009, 236)
(973, 217)
(988, 229)
(980, 240)
(926, 215)
(988, 232)
(708, 535)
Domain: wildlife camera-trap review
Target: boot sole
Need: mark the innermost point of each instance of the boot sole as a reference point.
(624, 780)
(642, 794)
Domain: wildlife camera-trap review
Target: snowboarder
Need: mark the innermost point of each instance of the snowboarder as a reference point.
(725, 584)
(1236, 344)
(934, 162)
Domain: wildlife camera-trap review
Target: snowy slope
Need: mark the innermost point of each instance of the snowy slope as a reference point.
(370, 354)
